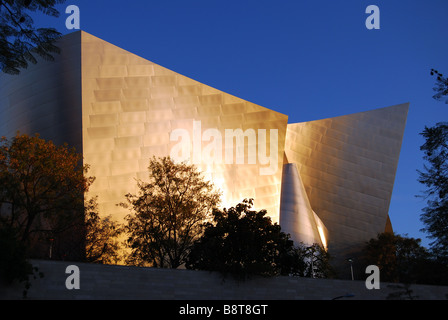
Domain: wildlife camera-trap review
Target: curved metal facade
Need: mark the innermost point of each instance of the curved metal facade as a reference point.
(330, 181)
(347, 165)
(297, 216)
(46, 97)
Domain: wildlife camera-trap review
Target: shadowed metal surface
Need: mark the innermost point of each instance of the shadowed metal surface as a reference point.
(46, 97)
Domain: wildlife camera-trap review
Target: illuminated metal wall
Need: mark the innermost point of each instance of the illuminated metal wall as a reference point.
(130, 106)
(297, 217)
(120, 109)
(347, 165)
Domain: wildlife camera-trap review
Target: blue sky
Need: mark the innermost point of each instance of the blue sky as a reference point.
(307, 59)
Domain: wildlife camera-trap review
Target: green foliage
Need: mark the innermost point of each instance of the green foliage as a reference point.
(435, 178)
(312, 261)
(167, 213)
(403, 259)
(441, 86)
(20, 39)
(243, 242)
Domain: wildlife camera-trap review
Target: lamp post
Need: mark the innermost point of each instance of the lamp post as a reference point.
(351, 266)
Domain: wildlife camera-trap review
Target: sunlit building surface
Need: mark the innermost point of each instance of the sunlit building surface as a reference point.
(327, 181)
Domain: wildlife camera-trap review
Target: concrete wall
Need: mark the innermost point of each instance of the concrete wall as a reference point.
(123, 282)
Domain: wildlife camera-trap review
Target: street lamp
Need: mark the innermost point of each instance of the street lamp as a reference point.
(351, 266)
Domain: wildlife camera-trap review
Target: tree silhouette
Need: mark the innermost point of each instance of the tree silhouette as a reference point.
(102, 234)
(441, 86)
(243, 242)
(20, 39)
(403, 259)
(435, 178)
(167, 213)
(42, 190)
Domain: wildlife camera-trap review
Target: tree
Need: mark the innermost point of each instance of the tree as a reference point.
(435, 178)
(403, 259)
(313, 261)
(441, 85)
(20, 39)
(243, 242)
(102, 245)
(42, 190)
(167, 213)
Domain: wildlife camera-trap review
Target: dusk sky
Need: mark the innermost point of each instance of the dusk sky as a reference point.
(308, 59)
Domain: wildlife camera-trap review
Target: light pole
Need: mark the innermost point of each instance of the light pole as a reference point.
(351, 266)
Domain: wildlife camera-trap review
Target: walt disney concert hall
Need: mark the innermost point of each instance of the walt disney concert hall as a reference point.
(326, 181)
